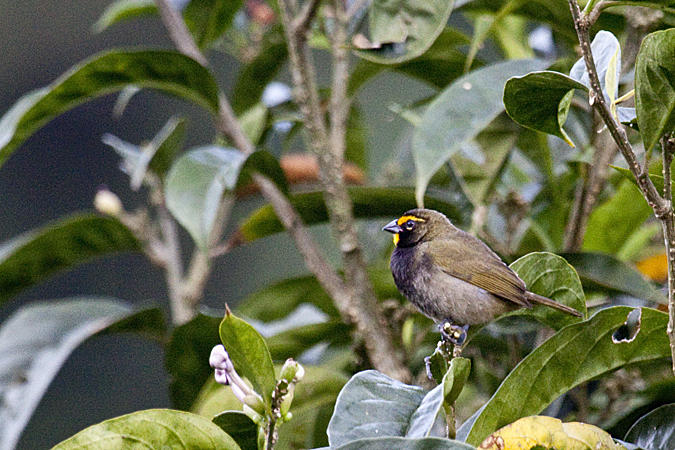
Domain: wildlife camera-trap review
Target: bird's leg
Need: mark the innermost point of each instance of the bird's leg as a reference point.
(454, 334)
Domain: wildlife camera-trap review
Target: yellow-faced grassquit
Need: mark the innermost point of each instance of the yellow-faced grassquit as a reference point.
(454, 278)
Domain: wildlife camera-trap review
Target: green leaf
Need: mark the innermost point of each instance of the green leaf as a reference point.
(405, 29)
(257, 74)
(104, 73)
(553, 277)
(121, 10)
(455, 378)
(541, 100)
(200, 177)
(249, 354)
(608, 274)
(369, 203)
(187, 358)
(459, 113)
(604, 232)
(280, 299)
(292, 342)
(607, 58)
(240, 427)
(254, 122)
(207, 20)
(37, 340)
(654, 431)
(399, 443)
(373, 405)
(577, 353)
(152, 429)
(657, 177)
(31, 257)
(438, 66)
(157, 155)
(655, 86)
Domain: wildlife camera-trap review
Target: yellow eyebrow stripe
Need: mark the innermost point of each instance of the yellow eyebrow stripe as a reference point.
(404, 219)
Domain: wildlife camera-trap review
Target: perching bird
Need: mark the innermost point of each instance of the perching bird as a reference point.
(452, 277)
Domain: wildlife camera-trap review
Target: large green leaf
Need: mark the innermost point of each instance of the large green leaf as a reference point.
(373, 405)
(438, 66)
(249, 354)
(38, 339)
(655, 86)
(459, 113)
(654, 431)
(104, 73)
(606, 273)
(541, 101)
(400, 443)
(207, 20)
(551, 276)
(154, 429)
(604, 232)
(404, 29)
(278, 300)
(28, 259)
(187, 358)
(369, 203)
(577, 353)
(291, 343)
(198, 180)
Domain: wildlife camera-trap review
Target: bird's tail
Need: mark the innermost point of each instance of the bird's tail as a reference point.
(534, 298)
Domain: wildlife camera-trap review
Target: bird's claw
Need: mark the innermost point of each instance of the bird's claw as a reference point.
(454, 334)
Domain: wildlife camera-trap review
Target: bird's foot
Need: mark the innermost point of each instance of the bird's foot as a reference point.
(454, 334)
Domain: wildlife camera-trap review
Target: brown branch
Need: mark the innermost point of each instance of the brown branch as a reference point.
(360, 306)
(180, 35)
(662, 206)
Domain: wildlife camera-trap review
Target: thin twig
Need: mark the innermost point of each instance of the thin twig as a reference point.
(180, 35)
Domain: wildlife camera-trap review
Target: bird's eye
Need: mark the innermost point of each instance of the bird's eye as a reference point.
(409, 225)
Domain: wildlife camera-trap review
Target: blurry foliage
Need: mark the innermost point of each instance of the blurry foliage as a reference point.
(512, 185)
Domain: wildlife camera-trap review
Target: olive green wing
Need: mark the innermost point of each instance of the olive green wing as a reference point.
(469, 259)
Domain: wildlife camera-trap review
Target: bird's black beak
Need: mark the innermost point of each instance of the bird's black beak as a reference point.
(392, 227)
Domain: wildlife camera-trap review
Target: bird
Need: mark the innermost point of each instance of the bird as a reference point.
(454, 278)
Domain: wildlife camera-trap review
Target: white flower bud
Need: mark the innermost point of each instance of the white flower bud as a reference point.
(106, 202)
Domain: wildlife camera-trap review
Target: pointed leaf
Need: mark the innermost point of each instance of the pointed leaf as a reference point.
(577, 353)
(152, 429)
(369, 203)
(654, 431)
(249, 354)
(455, 378)
(104, 73)
(655, 86)
(541, 100)
(608, 274)
(459, 113)
(35, 342)
(373, 405)
(28, 259)
(553, 277)
(121, 10)
(404, 30)
(240, 427)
